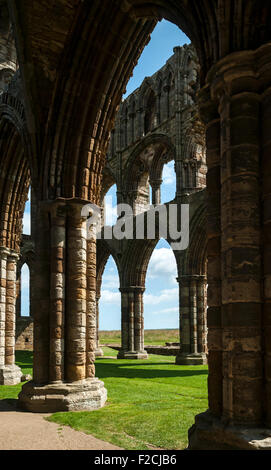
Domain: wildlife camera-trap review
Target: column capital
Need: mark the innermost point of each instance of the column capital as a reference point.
(186, 279)
(156, 183)
(62, 207)
(130, 289)
(242, 71)
(8, 252)
(4, 251)
(14, 255)
(239, 72)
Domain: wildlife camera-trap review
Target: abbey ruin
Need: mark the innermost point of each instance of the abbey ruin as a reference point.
(65, 131)
(157, 123)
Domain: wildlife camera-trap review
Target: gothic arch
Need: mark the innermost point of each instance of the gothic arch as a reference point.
(15, 180)
(73, 77)
(135, 261)
(12, 109)
(81, 83)
(108, 180)
(27, 253)
(104, 251)
(153, 139)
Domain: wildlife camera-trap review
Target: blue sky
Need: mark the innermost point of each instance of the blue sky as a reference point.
(164, 38)
(161, 298)
(25, 270)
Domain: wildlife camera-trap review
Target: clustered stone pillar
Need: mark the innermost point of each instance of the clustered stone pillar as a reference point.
(10, 374)
(238, 316)
(193, 328)
(64, 313)
(156, 191)
(18, 292)
(132, 324)
(8, 61)
(98, 350)
(266, 179)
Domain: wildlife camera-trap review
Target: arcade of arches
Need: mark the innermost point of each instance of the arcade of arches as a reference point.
(64, 67)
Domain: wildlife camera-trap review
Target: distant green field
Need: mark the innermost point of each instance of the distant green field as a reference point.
(151, 337)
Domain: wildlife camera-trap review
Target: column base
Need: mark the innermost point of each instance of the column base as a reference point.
(132, 355)
(191, 359)
(88, 394)
(10, 375)
(99, 352)
(209, 433)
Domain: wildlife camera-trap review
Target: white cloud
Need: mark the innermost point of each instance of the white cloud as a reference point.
(27, 223)
(110, 297)
(163, 264)
(165, 295)
(110, 281)
(169, 176)
(110, 211)
(168, 310)
(24, 279)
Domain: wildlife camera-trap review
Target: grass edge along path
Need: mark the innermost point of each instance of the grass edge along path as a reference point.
(151, 403)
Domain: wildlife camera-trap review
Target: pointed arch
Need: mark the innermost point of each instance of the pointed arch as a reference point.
(25, 290)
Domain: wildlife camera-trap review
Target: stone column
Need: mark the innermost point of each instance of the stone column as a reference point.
(140, 123)
(238, 389)
(57, 293)
(130, 128)
(132, 324)
(10, 374)
(202, 315)
(192, 321)
(98, 350)
(156, 191)
(8, 59)
(64, 314)
(91, 313)
(18, 293)
(167, 90)
(266, 179)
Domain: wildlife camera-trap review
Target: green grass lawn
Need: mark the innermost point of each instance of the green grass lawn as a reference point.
(24, 359)
(151, 403)
(151, 337)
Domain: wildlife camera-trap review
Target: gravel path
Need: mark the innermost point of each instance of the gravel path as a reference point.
(30, 431)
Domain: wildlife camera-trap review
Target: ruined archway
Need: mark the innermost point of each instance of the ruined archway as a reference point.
(72, 88)
(15, 179)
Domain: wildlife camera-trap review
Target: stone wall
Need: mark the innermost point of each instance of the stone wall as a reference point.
(161, 350)
(24, 333)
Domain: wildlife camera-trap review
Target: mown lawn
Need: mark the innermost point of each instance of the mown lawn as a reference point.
(151, 403)
(24, 359)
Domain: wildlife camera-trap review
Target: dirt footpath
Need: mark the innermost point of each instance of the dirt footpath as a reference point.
(30, 431)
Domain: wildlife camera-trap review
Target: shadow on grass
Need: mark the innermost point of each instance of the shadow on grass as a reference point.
(24, 359)
(8, 402)
(131, 370)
